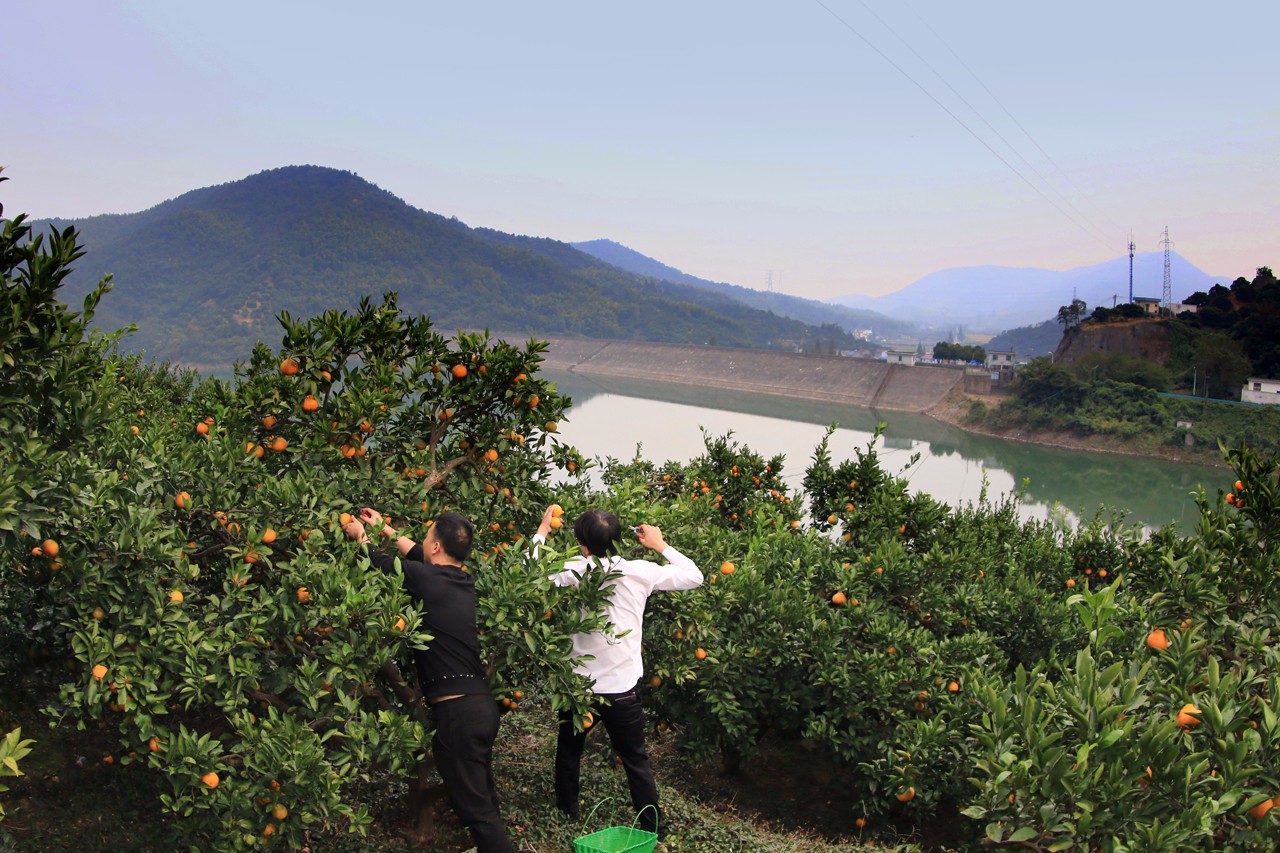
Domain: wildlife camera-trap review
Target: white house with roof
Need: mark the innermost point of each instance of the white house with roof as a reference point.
(1259, 390)
(901, 356)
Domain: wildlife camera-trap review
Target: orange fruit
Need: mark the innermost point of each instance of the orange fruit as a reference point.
(310, 404)
(833, 518)
(1189, 716)
(727, 568)
(1071, 582)
(134, 429)
(953, 687)
(656, 681)
(1157, 639)
(1231, 498)
(556, 510)
(588, 720)
(154, 745)
(345, 518)
(1260, 810)
(839, 599)
(459, 371)
(49, 547)
(175, 595)
(279, 444)
(202, 428)
(99, 672)
(269, 830)
(491, 455)
(861, 823)
(400, 623)
(289, 367)
(795, 525)
(99, 613)
(269, 421)
(210, 779)
(303, 595)
(279, 812)
(556, 523)
(533, 401)
(552, 426)
(268, 536)
(700, 654)
(1239, 486)
(904, 796)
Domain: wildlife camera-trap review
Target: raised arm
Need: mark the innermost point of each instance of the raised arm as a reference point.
(680, 572)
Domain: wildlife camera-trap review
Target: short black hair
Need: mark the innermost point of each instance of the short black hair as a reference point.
(600, 531)
(454, 534)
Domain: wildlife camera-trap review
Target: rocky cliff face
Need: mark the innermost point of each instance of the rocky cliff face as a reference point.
(1145, 338)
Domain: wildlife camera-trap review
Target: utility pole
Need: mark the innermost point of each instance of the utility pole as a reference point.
(1168, 278)
(1131, 269)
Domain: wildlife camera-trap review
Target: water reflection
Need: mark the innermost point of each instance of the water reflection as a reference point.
(612, 417)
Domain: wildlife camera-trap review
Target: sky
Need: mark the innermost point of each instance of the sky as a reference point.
(831, 147)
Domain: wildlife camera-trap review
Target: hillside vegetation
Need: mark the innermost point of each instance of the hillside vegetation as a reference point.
(204, 276)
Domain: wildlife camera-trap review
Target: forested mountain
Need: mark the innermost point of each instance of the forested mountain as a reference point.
(805, 310)
(204, 275)
(1029, 342)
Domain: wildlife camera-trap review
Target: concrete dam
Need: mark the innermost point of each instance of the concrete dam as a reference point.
(853, 381)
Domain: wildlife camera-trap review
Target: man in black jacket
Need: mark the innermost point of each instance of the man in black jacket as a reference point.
(450, 673)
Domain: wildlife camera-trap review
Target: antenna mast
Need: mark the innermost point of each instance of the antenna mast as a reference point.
(1131, 247)
(1168, 277)
(771, 281)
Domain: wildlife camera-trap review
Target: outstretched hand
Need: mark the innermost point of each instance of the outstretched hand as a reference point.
(651, 537)
(355, 528)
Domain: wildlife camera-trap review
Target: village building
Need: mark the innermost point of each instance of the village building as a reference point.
(1264, 391)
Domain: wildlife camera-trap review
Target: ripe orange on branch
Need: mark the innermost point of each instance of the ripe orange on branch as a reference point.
(310, 404)
(210, 779)
(1188, 716)
(727, 568)
(289, 367)
(459, 371)
(1157, 639)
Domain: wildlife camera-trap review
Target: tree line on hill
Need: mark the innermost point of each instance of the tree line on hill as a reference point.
(203, 276)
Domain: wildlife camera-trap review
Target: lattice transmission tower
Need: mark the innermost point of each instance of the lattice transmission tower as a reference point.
(1168, 275)
(1131, 248)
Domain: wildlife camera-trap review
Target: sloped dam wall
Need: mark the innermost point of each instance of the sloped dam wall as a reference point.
(854, 381)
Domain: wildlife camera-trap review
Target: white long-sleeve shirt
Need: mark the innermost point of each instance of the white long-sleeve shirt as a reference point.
(617, 663)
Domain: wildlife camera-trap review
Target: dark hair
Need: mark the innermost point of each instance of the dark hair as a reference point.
(599, 531)
(454, 534)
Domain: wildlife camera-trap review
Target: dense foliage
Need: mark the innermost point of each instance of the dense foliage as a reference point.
(1085, 687)
(958, 352)
(207, 272)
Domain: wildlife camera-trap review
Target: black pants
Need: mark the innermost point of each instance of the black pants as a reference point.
(623, 719)
(463, 750)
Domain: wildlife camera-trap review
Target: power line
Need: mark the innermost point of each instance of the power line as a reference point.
(1013, 119)
(958, 120)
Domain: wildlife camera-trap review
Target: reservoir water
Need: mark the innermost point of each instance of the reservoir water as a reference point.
(614, 417)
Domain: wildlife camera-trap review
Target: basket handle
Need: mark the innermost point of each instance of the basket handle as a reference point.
(642, 811)
(592, 814)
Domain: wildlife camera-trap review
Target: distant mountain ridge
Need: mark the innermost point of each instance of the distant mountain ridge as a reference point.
(798, 308)
(995, 298)
(205, 274)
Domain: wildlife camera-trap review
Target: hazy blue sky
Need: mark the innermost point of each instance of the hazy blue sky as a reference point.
(729, 138)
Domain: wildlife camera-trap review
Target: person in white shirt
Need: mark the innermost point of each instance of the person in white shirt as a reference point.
(615, 663)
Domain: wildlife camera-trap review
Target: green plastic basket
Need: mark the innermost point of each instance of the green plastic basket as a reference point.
(615, 839)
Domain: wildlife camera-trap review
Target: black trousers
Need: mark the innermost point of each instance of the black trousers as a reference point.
(463, 750)
(623, 719)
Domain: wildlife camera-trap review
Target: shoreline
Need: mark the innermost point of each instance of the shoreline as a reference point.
(951, 411)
